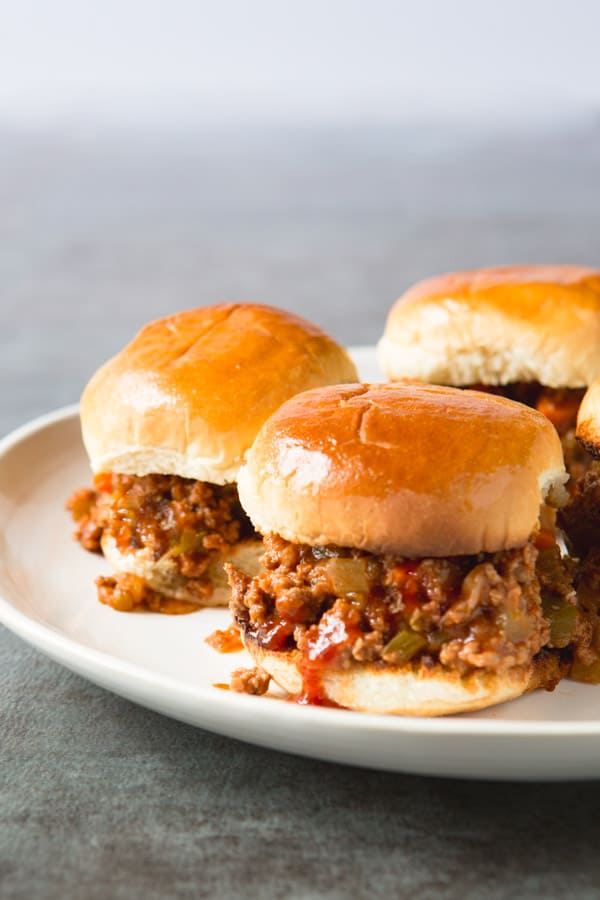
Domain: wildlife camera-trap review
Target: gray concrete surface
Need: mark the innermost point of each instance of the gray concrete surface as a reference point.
(100, 798)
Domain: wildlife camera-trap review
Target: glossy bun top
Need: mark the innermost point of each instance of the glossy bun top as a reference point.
(411, 469)
(189, 393)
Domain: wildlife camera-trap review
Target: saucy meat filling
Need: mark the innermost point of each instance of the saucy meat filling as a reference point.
(339, 606)
(561, 406)
(580, 520)
(126, 592)
(190, 521)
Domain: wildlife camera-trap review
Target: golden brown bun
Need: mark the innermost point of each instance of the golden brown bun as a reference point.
(163, 575)
(495, 326)
(401, 690)
(415, 470)
(588, 420)
(188, 394)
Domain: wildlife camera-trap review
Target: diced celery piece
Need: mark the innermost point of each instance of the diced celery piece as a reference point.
(403, 646)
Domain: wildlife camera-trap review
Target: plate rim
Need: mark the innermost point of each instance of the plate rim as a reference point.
(70, 652)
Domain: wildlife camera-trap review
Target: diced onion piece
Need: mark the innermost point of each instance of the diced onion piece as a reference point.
(346, 576)
(518, 627)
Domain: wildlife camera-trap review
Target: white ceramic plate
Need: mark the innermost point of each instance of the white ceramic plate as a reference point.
(49, 599)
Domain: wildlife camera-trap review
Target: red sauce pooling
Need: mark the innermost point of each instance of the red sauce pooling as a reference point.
(324, 644)
(275, 633)
(545, 539)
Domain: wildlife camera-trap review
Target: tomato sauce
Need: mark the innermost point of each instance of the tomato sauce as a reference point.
(561, 407)
(327, 643)
(324, 645)
(545, 539)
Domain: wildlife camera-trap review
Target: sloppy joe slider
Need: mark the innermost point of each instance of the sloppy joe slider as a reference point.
(167, 423)
(404, 568)
(530, 333)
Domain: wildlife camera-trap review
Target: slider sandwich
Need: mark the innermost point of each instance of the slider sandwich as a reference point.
(529, 333)
(166, 424)
(405, 570)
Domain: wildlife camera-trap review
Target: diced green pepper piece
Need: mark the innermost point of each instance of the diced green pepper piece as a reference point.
(189, 541)
(403, 646)
(562, 618)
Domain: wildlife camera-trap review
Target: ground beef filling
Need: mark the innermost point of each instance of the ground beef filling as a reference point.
(190, 521)
(580, 520)
(126, 593)
(338, 606)
(250, 681)
(561, 406)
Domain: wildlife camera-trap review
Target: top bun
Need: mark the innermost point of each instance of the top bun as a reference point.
(409, 469)
(588, 420)
(189, 393)
(495, 326)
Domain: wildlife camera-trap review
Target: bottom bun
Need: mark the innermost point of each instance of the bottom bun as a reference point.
(163, 575)
(400, 690)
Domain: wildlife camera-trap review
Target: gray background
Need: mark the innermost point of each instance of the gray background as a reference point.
(101, 233)
(160, 155)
